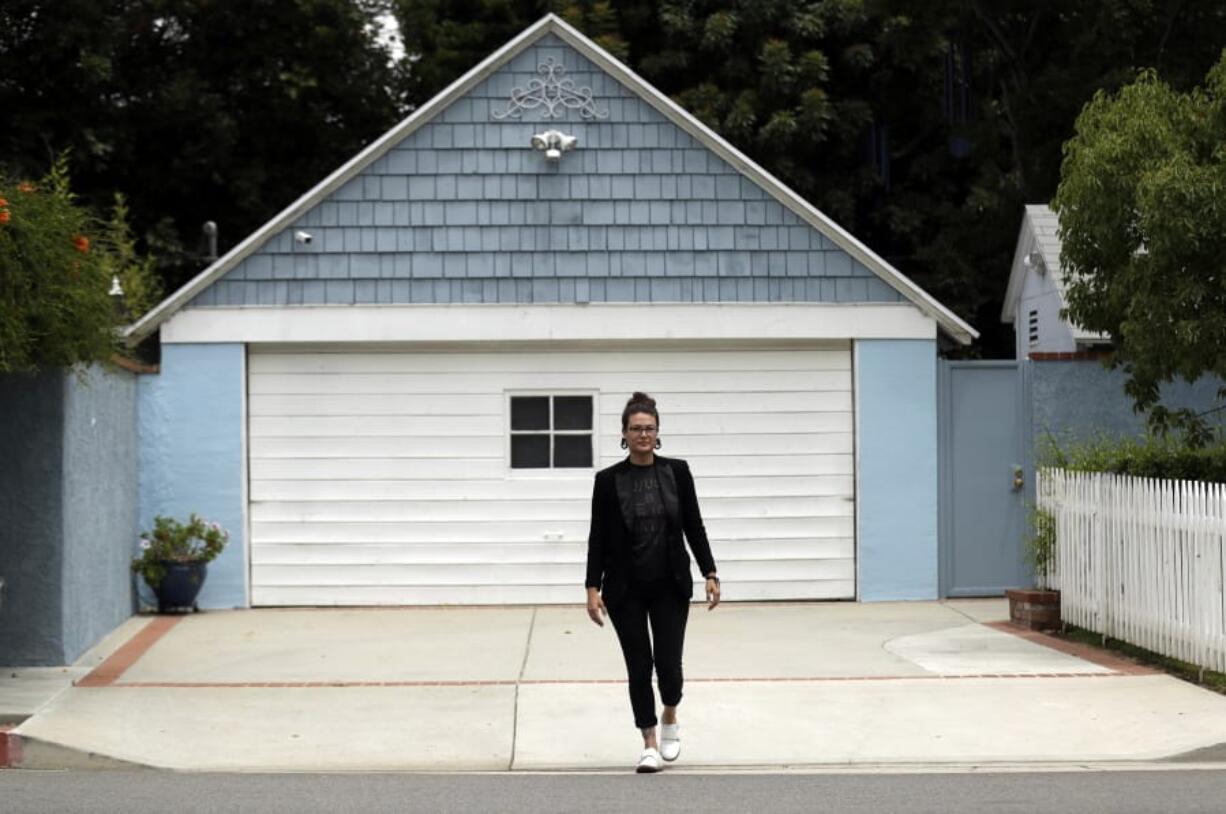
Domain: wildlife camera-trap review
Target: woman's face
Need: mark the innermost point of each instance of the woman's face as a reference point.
(640, 432)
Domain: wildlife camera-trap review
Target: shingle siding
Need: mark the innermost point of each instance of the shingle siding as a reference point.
(463, 210)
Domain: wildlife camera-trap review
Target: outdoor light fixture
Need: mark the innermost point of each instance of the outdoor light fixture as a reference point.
(118, 306)
(1034, 260)
(553, 143)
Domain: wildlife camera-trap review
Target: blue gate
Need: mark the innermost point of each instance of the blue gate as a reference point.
(983, 437)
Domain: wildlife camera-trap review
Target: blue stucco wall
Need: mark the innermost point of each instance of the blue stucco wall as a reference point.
(31, 519)
(463, 210)
(191, 454)
(1077, 400)
(99, 505)
(67, 511)
(896, 439)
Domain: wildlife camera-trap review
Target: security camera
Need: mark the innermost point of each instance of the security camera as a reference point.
(302, 237)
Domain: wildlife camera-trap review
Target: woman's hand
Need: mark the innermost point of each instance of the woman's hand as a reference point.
(712, 593)
(595, 607)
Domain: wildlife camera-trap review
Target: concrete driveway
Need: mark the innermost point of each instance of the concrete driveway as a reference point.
(541, 688)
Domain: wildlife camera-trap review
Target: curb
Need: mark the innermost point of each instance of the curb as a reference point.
(19, 752)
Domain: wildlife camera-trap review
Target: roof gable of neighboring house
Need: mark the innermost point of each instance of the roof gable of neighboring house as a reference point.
(1038, 252)
(453, 205)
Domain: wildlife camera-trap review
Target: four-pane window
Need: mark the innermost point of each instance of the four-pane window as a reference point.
(551, 432)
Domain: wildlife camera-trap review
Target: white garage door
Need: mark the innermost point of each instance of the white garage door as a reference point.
(384, 478)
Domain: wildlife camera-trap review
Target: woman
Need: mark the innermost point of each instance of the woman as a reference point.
(637, 568)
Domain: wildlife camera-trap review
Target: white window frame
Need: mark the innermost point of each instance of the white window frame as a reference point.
(550, 471)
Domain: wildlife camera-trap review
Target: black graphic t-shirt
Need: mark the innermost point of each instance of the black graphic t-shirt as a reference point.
(648, 555)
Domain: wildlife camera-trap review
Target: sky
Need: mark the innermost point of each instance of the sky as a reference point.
(389, 35)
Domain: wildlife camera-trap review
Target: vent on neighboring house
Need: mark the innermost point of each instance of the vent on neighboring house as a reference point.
(1034, 328)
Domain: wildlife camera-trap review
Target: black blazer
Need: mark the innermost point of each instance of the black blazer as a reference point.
(611, 536)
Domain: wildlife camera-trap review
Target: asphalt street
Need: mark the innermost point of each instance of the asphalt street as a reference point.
(1083, 791)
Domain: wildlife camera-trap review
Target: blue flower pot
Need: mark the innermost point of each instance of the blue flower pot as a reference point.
(179, 588)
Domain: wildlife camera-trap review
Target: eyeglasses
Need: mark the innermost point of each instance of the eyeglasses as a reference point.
(642, 430)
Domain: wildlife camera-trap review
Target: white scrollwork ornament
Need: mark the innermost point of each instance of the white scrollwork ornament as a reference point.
(553, 93)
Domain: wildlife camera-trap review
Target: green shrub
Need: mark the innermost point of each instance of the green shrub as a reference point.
(1041, 545)
(54, 307)
(1144, 457)
(57, 263)
(142, 288)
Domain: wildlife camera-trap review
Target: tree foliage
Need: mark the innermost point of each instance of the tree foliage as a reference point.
(922, 128)
(54, 306)
(225, 110)
(1143, 226)
(135, 272)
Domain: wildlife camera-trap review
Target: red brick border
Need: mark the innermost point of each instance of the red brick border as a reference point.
(109, 671)
(509, 682)
(10, 748)
(1085, 652)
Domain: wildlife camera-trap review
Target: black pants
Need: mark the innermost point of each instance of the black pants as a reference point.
(659, 605)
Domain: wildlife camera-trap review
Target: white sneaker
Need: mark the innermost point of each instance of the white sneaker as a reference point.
(670, 741)
(649, 762)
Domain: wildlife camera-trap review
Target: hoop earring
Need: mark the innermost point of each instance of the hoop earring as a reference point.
(625, 444)
(659, 443)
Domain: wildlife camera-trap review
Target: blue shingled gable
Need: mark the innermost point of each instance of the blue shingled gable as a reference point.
(464, 210)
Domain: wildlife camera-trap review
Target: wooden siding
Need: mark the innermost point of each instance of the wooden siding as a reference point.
(381, 477)
(464, 211)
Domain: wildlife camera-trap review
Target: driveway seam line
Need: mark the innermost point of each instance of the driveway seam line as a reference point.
(519, 679)
(961, 613)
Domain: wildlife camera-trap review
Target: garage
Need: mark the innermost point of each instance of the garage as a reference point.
(409, 476)
(397, 390)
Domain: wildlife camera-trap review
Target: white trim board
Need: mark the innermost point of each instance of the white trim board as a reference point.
(946, 319)
(547, 323)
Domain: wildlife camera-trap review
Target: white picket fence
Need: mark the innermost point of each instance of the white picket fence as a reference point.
(1141, 560)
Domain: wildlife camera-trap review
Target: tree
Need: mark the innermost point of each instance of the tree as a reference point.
(225, 111)
(1143, 227)
(922, 128)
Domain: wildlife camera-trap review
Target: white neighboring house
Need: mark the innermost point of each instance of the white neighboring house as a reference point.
(1036, 293)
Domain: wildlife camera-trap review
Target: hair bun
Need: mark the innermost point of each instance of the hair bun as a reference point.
(640, 402)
